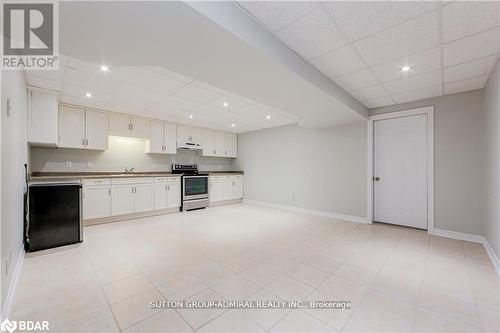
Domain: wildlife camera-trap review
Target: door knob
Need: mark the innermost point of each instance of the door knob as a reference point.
(376, 179)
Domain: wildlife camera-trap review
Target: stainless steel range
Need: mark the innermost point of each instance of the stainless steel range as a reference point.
(194, 186)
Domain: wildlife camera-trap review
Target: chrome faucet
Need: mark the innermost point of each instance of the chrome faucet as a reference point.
(127, 171)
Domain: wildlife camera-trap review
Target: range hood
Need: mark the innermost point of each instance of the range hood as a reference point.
(188, 145)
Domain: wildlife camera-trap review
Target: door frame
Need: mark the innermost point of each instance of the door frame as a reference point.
(429, 111)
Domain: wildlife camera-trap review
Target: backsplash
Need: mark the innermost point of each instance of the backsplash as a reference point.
(121, 153)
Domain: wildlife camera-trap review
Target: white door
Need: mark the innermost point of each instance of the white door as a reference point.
(71, 127)
(208, 143)
(174, 194)
(160, 195)
(400, 171)
(197, 137)
(143, 197)
(119, 125)
(170, 138)
(122, 199)
(140, 128)
(219, 146)
(156, 137)
(230, 144)
(216, 189)
(237, 188)
(183, 135)
(96, 202)
(96, 130)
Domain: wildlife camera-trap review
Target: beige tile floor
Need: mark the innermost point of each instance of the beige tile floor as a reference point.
(398, 279)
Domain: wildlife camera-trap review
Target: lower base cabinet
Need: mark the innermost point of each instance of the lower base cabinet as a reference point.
(111, 197)
(226, 188)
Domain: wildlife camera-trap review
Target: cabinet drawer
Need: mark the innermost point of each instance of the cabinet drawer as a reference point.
(99, 181)
(132, 180)
(167, 179)
(174, 179)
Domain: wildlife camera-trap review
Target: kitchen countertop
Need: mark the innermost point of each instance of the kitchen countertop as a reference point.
(51, 176)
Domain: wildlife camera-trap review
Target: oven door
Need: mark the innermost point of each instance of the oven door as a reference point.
(194, 187)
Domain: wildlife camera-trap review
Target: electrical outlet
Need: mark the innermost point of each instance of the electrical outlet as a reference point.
(68, 164)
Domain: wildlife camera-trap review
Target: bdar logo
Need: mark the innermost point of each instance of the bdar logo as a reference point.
(9, 326)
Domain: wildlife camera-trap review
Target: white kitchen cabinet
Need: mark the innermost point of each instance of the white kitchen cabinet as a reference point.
(43, 120)
(143, 197)
(208, 143)
(219, 144)
(122, 199)
(96, 130)
(162, 138)
(122, 125)
(230, 145)
(226, 188)
(189, 137)
(167, 193)
(71, 127)
(96, 201)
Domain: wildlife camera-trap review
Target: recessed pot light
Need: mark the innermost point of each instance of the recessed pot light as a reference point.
(88, 94)
(405, 69)
(268, 117)
(225, 104)
(104, 68)
(191, 116)
(233, 125)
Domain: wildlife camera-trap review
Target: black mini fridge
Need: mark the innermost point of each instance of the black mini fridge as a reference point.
(54, 215)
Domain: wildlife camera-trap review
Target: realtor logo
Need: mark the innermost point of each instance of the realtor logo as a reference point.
(30, 35)
(8, 325)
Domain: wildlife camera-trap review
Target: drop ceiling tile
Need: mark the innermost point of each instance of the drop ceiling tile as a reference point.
(473, 47)
(43, 83)
(194, 93)
(253, 110)
(233, 103)
(54, 75)
(415, 95)
(466, 85)
(358, 80)
(407, 38)
(359, 19)
(464, 18)
(470, 69)
(339, 62)
(90, 103)
(369, 93)
(79, 92)
(420, 62)
(93, 81)
(144, 79)
(170, 74)
(378, 102)
(313, 35)
(276, 14)
(414, 82)
(83, 66)
(138, 100)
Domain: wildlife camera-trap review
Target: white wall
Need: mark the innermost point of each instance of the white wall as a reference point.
(14, 156)
(315, 169)
(122, 152)
(492, 161)
(458, 159)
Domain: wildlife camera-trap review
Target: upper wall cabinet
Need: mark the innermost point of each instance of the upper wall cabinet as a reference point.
(189, 137)
(121, 125)
(162, 138)
(219, 144)
(82, 128)
(42, 118)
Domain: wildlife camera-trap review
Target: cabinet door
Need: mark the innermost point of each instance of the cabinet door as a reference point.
(216, 189)
(140, 128)
(237, 188)
(160, 195)
(230, 145)
(122, 199)
(119, 125)
(96, 130)
(208, 143)
(174, 194)
(71, 127)
(219, 146)
(197, 137)
(170, 138)
(96, 202)
(183, 135)
(42, 118)
(143, 197)
(155, 143)
(227, 189)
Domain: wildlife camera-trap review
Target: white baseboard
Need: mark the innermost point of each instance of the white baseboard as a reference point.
(9, 298)
(350, 218)
(470, 238)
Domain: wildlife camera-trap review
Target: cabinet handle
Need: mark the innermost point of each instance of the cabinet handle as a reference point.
(215, 151)
(132, 127)
(168, 187)
(226, 152)
(83, 142)
(109, 191)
